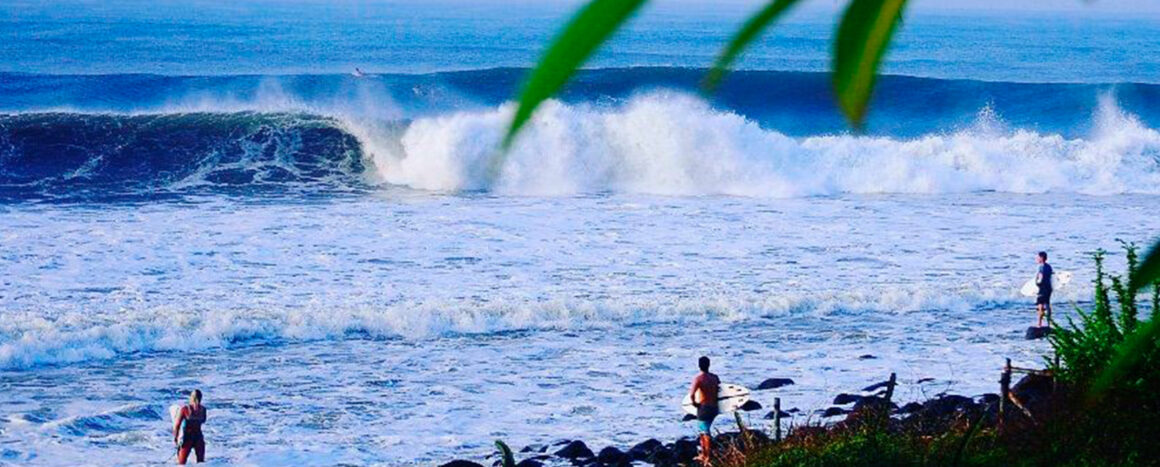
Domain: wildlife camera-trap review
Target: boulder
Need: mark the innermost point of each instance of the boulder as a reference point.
(873, 403)
(925, 380)
(1034, 332)
(947, 405)
(910, 407)
(774, 383)
(661, 456)
(988, 399)
(612, 456)
(1033, 390)
(844, 399)
(532, 462)
(574, 450)
(773, 414)
(867, 357)
(461, 463)
(688, 417)
(750, 406)
(643, 449)
(834, 411)
(876, 386)
(534, 448)
(684, 450)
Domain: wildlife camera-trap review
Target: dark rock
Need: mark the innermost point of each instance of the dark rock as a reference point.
(988, 398)
(794, 410)
(461, 463)
(1032, 390)
(844, 399)
(774, 383)
(662, 456)
(688, 417)
(750, 406)
(867, 357)
(534, 448)
(534, 462)
(874, 403)
(876, 386)
(1037, 332)
(773, 413)
(947, 405)
(684, 450)
(834, 411)
(925, 380)
(644, 449)
(612, 456)
(910, 407)
(575, 450)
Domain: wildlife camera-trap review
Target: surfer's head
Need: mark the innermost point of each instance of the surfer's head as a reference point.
(195, 397)
(1042, 257)
(703, 362)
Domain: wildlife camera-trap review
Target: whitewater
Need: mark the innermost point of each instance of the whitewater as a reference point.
(353, 273)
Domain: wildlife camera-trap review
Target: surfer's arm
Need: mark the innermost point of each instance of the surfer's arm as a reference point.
(693, 392)
(177, 424)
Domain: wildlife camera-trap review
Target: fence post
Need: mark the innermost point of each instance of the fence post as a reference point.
(1004, 391)
(890, 389)
(777, 419)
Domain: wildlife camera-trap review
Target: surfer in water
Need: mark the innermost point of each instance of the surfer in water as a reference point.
(1043, 280)
(188, 426)
(704, 396)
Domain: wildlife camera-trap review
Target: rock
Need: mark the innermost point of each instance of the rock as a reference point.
(461, 463)
(1032, 390)
(876, 386)
(835, 411)
(867, 357)
(1037, 332)
(988, 399)
(534, 448)
(688, 417)
(612, 456)
(910, 407)
(684, 450)
(750, 406)
(643, 449)
(533, 462)
(873, 403)
(575, 450)
(947, 405)
(844, 399)
(773, 414)
(925, 380)
(661, 456)
(774, 383)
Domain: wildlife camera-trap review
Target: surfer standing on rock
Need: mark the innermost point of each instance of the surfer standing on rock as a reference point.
(1043, 281)
(704, 396)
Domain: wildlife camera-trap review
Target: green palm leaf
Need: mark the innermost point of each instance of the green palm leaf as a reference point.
(863, 35)
(591, 26)
(748, 33)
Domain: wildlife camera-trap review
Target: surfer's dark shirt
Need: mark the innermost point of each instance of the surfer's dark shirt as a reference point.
(193, 420)
(1044, 283)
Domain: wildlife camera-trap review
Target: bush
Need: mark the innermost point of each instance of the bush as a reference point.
(1086, 349)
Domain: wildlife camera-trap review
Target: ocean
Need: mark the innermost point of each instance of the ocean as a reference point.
(204, 196)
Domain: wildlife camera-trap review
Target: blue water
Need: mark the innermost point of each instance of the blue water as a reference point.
(203, 195)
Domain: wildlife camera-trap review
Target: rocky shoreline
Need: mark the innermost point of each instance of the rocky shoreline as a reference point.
(932, 415)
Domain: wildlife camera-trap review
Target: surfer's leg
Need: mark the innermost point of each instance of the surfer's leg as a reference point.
(199, 449)
(183, 454)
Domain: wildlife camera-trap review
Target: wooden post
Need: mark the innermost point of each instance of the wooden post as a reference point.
(890, 388)
(777, 419)
(1004, 391)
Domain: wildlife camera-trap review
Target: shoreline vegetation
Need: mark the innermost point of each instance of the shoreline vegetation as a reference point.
(1065, 414)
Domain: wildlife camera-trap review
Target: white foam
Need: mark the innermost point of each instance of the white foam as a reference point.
(674, 144)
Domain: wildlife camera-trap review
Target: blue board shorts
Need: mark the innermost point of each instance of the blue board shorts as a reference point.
(705, 416)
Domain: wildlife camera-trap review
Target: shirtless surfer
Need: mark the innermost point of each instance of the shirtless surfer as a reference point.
(704, 396)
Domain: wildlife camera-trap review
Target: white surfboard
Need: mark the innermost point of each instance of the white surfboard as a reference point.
(1060, 279)
(730, 397)
(174, 414)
